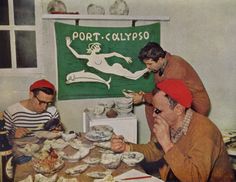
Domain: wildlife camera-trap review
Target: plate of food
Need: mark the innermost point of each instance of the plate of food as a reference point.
(92, 160)
(81, 153)
(58, 144)
(98, 174)
(111, 161)
(42, 178)
(101, 128)
(25, 140)
(95, 136)
(77, 169)
(29, 149)
(47, 162)
(132, 158)
(47, 134)
(105, 145)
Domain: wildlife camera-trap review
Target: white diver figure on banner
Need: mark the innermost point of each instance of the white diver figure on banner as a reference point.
(82, 76)
(99, 62)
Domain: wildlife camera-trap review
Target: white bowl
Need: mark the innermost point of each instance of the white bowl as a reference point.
(99, 109)
(111, 161)
(132, 158)
(124, 100)
(68, 137)
(124, 110)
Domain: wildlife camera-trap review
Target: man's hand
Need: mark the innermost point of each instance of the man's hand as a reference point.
(118, 144)
(21, 132)
(138, 97)
(161, 130)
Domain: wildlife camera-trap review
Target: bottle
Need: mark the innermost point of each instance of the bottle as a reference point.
(6, 156)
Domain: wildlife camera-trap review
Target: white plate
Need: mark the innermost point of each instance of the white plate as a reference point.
(101, 128)
(42, 178)
(62, 179)
(77, 169)
(59, 144)
(25, 140)
(81, 153)
(92, 160)
(43, 167)
(98, 174)
(232, 151)
(105, 145)
(96, 136)
(29, 149)
(132, 158)
(68, 136)
(47, 134)
(28, 179)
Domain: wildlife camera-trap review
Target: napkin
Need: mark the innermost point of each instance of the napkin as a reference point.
(136, 173)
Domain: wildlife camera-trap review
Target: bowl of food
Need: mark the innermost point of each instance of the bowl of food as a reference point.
(124, 103)
(132, 158)
(111, 161)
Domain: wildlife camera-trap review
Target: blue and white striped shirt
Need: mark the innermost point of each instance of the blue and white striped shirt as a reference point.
(17, 116)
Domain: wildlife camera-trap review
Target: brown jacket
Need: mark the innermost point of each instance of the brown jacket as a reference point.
(200, 155)
(178, 68)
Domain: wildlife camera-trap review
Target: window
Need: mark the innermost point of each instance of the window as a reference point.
(17, 35)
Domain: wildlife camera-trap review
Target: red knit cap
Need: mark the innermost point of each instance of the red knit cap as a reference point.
(42, 83)
(177, 90)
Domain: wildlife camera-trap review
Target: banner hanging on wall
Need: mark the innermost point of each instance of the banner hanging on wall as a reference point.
(99, 62)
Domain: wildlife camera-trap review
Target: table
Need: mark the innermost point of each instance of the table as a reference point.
(23, 170)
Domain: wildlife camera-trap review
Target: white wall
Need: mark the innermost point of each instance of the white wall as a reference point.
(202, 32)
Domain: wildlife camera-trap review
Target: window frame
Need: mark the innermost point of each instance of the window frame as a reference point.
(37, 28)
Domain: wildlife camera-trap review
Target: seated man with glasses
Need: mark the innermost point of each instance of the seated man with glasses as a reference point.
(31, 114)
(186, 146)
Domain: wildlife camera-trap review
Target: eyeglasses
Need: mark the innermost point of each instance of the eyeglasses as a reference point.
(157, 111)
(43, 102)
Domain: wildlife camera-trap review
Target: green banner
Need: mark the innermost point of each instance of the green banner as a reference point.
(99, 62)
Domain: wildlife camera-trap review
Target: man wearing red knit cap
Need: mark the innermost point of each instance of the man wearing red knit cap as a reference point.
(186, 146)
(32, 114)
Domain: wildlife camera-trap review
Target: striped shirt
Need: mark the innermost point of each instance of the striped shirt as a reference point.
(17, 116)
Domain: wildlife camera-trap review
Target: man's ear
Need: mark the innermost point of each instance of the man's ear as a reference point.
(179, 109)
(31, 95)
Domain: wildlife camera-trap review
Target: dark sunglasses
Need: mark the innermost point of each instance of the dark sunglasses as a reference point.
(43, 102)
(157, 111)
